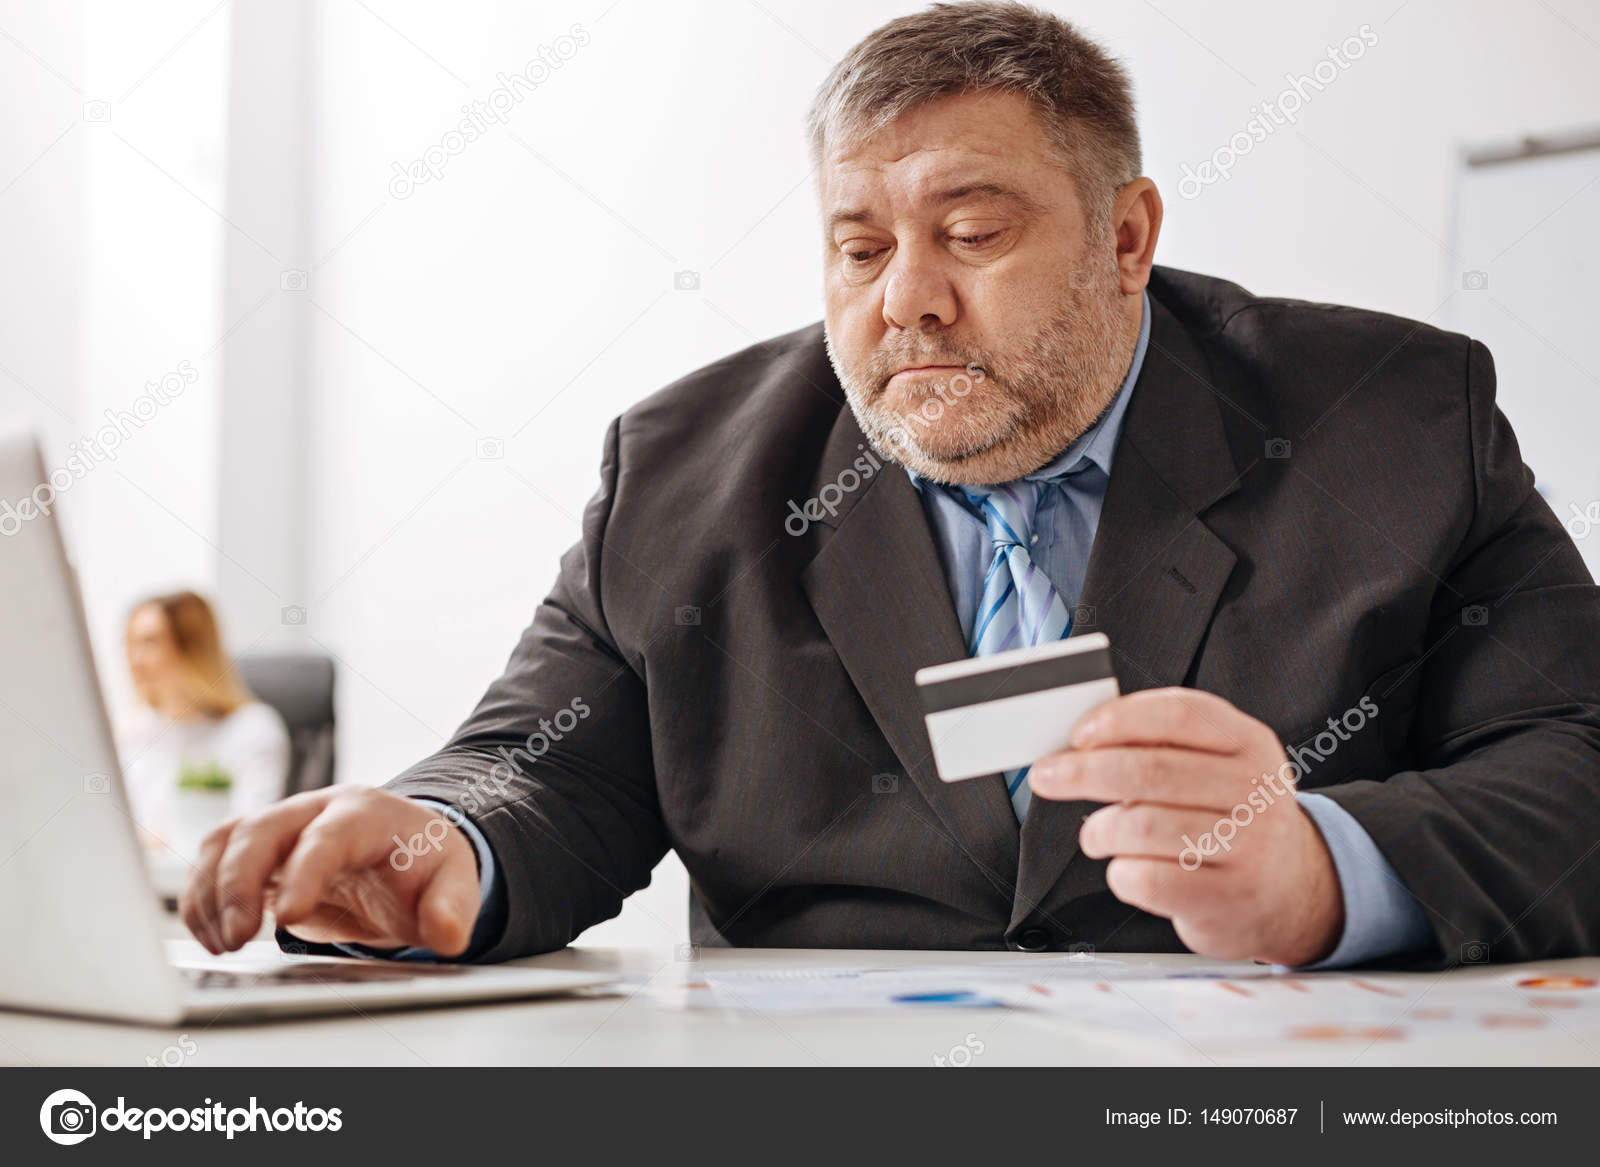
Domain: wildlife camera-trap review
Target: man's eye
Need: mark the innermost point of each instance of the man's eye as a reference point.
(862, 254)
(976, 240)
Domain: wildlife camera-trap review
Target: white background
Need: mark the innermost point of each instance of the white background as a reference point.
(328, 457)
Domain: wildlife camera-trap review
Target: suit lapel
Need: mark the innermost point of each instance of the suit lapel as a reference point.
(879, 591)
(1155, 573)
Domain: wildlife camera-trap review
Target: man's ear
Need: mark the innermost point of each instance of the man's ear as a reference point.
(1136, 222)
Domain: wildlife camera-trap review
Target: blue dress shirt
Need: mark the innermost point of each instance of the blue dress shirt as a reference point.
(1380, 916)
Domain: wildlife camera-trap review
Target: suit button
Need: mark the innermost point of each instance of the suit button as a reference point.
(1033, 940)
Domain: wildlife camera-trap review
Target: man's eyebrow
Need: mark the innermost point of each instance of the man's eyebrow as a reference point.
(993, 189)
(954, 194)
(858, 216)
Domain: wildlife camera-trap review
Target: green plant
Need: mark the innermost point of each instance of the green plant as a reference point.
(205, 777)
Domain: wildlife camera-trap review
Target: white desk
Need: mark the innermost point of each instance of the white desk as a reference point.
(624, 1030)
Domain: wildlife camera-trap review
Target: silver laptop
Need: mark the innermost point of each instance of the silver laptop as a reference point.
(80, 923)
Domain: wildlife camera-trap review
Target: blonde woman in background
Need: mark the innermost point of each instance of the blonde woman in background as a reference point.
(198, 747)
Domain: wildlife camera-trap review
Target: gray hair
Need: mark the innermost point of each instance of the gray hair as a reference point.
(1081, 93)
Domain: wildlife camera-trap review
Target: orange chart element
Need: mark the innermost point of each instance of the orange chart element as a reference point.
(1340, 1032)
(1557, 983)
(1513, 1021)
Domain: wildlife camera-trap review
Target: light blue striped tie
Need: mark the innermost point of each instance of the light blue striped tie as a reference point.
(1019, 607)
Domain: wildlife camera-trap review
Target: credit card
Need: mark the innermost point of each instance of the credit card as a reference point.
(990, 714)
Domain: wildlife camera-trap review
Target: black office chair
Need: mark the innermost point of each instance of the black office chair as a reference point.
(300, 687)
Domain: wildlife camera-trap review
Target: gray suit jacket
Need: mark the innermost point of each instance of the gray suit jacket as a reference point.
(1311, 506)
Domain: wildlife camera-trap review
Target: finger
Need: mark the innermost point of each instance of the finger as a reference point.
(448, 907)
(1189, 718)
(328, 848)
(197, 903)
(1151, 774)
(255, 848)
(358, 908)
(1159, 886)
(1151, 831)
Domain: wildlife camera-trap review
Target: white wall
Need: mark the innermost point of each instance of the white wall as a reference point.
(111, 229)
(465, 345)
(1532, 295)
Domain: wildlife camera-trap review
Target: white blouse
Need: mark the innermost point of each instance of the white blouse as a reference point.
(251, 744)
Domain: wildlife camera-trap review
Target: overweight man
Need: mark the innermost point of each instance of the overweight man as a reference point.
(1358, 653)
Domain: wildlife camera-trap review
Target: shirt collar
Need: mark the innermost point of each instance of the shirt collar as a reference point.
(1096, 445)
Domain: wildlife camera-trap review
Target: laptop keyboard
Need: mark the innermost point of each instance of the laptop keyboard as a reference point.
(311, 974)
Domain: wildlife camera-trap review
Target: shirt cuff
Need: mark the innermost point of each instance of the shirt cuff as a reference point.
(1381, 917)
(490, 891)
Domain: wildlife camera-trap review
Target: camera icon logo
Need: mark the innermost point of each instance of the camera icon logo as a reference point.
(1475, 616)
(294, 614)
(1474, 281)
(885, 783)
(97, 111)
(1083, 616)
(293, 280)
(1475, 952)
(1080, 951)
(293, 952)
(1278, 448)
(97, 783)
(688, 616)
(686, 281)
(490, 449)
(686, 953)
(67, 1117)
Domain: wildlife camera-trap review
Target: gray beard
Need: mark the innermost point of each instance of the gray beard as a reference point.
(1065, 376)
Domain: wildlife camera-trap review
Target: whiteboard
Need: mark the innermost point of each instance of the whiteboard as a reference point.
(1525, 280)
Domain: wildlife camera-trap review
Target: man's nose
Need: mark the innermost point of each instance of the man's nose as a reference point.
(917, 295)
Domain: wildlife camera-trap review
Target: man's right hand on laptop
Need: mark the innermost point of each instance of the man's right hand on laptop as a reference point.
(339, 865)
